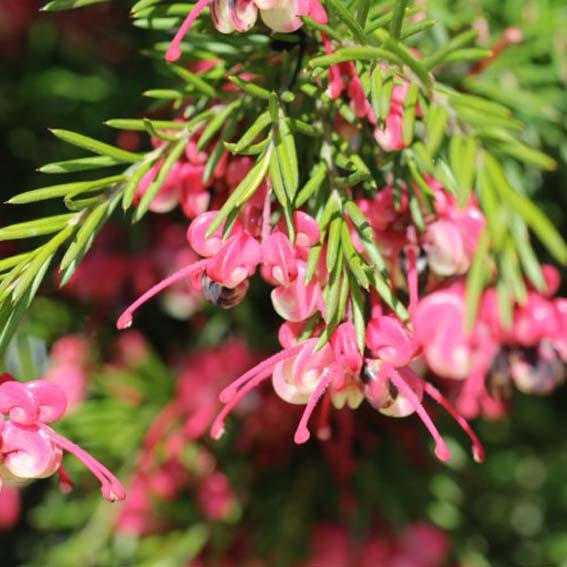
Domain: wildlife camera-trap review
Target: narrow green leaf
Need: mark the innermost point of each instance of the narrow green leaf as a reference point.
(244, 191)
(535, 219)
(283, 165)
(138, 125)
(250, 136)
(217, 123)
(453, 45)
(409, 115)
(376, 86)
(462, 157)
(81, 164)
(194, 80)
(95, 146)
(334, 249)
(358, 319)
(398, 18)
(363, 53)
(318, 175)
(526, 254)
(39, 227)
(55, 191)
(87, 228)
(406, 56)
(41, 258)
(436, 125)
(250, 88)
(353, 258)
(55, 5)
(348, 19)
(132, 184)
(312, 261)
(151, 192)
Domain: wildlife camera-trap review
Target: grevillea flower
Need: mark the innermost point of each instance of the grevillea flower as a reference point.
(240, 15)
(528, 353)
(227, 265)
(393, 387)
(222, 276)
(301, 374)
(30, 449)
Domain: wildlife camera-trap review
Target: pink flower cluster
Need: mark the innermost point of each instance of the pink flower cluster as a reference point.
(227, 264)
(419, 545)
(165, 469)
(529, 352)
(30, 448)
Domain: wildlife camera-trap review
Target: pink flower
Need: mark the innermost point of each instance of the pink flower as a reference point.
(29, 448)
(279, 266)
(439, 327)
(299, 300)
(390, 137)
(215, 496)
(222, 276)
(394, 389)
(235, 261)
(241, 15)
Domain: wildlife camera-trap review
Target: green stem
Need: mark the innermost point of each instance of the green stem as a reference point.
(398, 18)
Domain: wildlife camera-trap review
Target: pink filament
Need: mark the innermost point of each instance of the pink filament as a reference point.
(232, 389)
(174, 51)
(441, 450)
(302, 433)
(477, 448)
(125, 320)
(111, 488)
(65, 481)
(217, 428)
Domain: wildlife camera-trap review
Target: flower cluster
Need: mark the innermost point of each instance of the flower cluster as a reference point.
(529, 352)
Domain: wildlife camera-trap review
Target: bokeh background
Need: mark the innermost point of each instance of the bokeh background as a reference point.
(74, 71)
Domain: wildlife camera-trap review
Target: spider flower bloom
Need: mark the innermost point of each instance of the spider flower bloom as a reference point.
(529, 353)
(30, 449)
(227, 266)
(394, 389)
(240, 15)
(301, 376)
